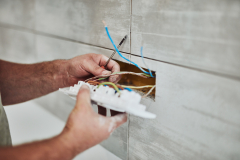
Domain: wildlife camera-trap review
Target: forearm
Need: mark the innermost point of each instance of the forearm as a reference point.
(54, 149)
(22, 82)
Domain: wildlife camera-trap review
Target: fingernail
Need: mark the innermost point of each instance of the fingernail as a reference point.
(106, 72)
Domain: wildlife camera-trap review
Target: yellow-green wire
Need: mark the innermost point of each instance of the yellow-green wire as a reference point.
(146, 75)
(110, 83)
(102, 78)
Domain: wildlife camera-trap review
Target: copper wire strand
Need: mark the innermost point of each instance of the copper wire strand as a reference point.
(121, 73)
(93, 83)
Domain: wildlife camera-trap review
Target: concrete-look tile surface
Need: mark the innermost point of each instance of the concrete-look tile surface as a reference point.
(82, 20)
(199, 34)
(17, 46)
(197, 117)
(18, 12)
(49, 48)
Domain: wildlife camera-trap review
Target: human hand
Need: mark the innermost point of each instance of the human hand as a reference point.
(84, 127)
(85, 66)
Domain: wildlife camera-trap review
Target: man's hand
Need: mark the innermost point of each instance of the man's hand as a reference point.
(84, 127)
(88, 65)
(23, 82)
(85, 66)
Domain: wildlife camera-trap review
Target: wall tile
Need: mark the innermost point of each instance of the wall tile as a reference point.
(197, 34)
(117, 142)
(17, 46)
(49, 48)
(82, 20)
(18, 12)
(197, 117)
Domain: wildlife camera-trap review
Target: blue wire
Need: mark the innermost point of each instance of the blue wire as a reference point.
(144, 62)
(128, 89)
(120, 53)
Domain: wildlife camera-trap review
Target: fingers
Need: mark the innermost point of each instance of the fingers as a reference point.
(83, 98)
(112, 66)
(93, 68)
(116, 121)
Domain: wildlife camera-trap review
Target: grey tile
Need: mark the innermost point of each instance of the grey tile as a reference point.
(49, 48)
(201, 35)
(82, 20)
(197, 117)
(17, 46)
(18, 12)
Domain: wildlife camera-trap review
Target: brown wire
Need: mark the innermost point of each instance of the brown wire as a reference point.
(102, 76)
(119, 86)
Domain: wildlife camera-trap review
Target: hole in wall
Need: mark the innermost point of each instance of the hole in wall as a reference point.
(134, 80)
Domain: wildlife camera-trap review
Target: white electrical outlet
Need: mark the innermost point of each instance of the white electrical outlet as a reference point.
(126, 101)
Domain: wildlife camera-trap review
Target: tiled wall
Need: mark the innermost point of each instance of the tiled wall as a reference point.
(194, 47)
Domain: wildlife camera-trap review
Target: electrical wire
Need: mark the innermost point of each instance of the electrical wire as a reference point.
(102, 78)
(110, 38)
(149, 92)
(145, 63)
(110, 83)
(121, 87)
(137, 87)
(128, 89)
(116, 73)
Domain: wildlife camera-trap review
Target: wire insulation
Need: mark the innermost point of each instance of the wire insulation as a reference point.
(110, 83)
(116, 73)
(149, 92)
(137, 87)
(128, 89)
(110, 38)
(145, 63)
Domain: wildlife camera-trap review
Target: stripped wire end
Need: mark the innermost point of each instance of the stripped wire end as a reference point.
(104, 23)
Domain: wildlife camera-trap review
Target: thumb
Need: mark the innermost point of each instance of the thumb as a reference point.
(83, 98)
(116, 121)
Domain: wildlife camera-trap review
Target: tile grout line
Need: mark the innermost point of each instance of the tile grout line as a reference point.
(130, 56)
(35, 37)
(19, 28)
